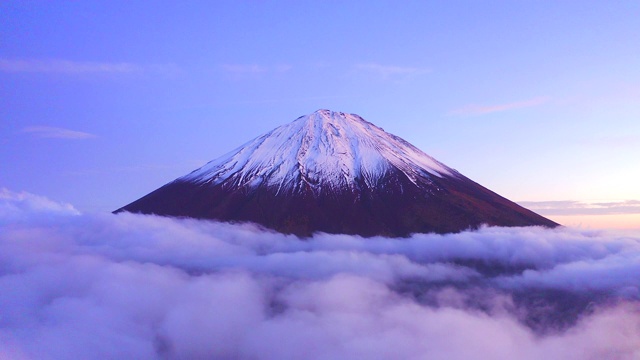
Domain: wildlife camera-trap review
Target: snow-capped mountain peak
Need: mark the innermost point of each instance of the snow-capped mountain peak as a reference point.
(337, 173)
(324, 150)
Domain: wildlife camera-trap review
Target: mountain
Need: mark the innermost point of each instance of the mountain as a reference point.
(336, 173)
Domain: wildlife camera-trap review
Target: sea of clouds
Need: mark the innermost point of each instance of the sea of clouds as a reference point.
(104, 286)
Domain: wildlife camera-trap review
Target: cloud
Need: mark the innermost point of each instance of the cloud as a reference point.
(133, 286)
(23, 205)
(254, 69)
(63, 66)
(615, 142)
(389, 71)
(569, 207)
(283, 68)
(470, 110)
(244, 69)
(56, 133)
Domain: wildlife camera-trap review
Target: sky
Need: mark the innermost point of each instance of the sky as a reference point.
(103, 102)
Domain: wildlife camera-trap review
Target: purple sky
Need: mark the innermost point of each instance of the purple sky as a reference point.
(102, 102)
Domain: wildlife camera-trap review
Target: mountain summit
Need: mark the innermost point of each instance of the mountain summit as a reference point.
(337, 173)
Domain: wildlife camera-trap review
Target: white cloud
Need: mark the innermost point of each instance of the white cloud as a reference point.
(132, 286)
(25, 206)
(57, 133)
(473, 109)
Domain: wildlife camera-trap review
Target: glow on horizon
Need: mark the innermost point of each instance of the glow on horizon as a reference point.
(601, 214)
(599, 222)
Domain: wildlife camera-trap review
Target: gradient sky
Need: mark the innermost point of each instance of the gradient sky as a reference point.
(102, 102)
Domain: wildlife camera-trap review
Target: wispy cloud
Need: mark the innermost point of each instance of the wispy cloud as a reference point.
(389, 71)
(63, 66)
(56, 133)
(569, 207)
(620, 141)
(282, 68)
(474, 109)
(254, 69)
(244, 68)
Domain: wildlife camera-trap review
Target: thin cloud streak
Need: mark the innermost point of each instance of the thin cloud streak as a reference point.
(254, 69)
(389, 71)
(63, 66)
(244, 69)
(569, 207)
(615, 142)
(473, 109)
(50, 132)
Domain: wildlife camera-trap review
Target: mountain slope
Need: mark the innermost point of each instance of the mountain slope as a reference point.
(334, 172)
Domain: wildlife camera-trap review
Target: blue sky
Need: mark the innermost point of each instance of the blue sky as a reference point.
(103, 102)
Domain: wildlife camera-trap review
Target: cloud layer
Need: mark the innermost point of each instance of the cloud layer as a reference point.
(76, 286)
(581, 208)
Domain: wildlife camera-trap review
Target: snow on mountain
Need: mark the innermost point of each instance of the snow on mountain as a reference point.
(323, 150)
